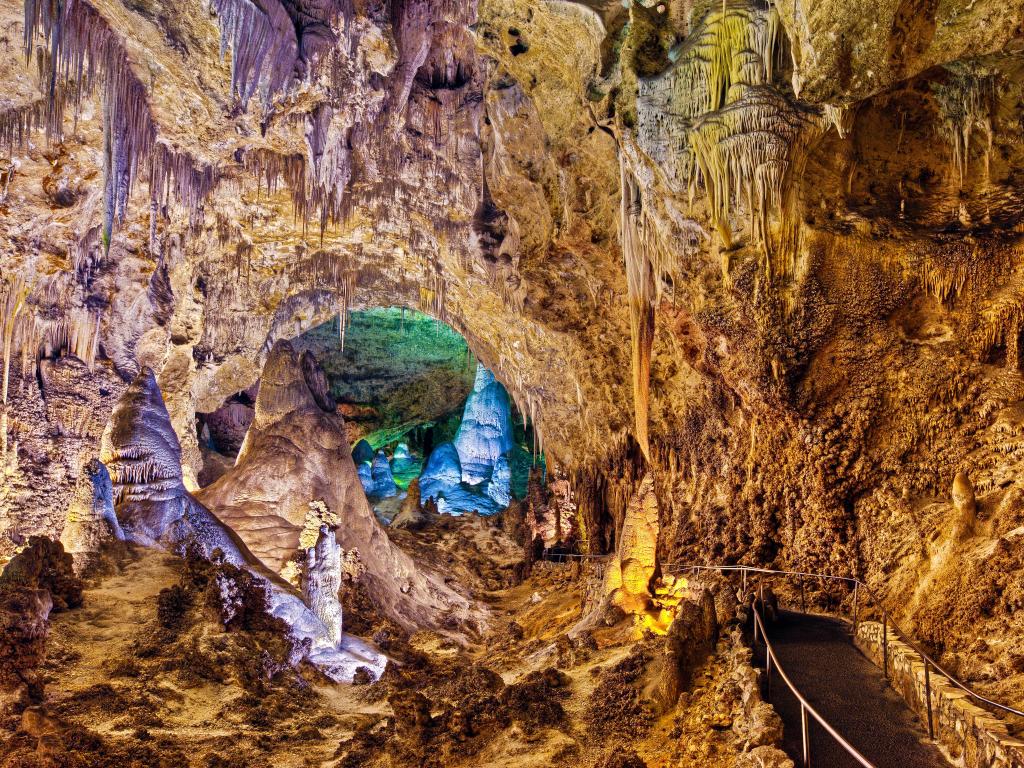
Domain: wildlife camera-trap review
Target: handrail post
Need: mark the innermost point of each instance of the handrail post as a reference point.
(768, 677)
(885, 643)
(744, 591)
(803, 601)
(806, 736)
(856, 606)
(928, 698)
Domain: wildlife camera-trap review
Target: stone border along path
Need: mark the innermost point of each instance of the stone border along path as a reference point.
(974, 736)
(849, 691)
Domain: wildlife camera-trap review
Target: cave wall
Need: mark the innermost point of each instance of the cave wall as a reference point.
(769, 253)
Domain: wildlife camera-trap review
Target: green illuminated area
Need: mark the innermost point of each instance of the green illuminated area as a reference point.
(403, 377)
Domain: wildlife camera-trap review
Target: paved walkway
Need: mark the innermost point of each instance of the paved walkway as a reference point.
(850, 693)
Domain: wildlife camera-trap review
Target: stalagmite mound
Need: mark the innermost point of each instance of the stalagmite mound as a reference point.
(485, 433)
(154, 509)
(628, 576)
(92, 523)
(382, 481)
(295, 451)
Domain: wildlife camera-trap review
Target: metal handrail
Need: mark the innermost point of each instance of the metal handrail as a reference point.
(805, 706)
(558, 557)
(887, 623)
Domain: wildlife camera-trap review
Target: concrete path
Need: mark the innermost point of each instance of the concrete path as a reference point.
(849, 692)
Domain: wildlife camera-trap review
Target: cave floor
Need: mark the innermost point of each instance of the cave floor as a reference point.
(850, 693)
(113, 675)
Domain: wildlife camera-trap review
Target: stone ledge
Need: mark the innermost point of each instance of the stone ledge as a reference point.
(972, 735)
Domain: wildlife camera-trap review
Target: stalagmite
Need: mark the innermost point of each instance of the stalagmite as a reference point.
(627, 578)
(322, 580)
(297, 449)
(965, 505)
(91, 523)
(144, 458)
(485, 433)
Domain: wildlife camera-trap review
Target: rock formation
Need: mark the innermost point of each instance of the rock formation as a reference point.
(765, 252)
(155, 509)
(92, 522)
(965, 505)
(322, 580)
(411, 515)
(362, 453)
(473, 473)
(36, 581)
(499, 485)
(295, 451)
(442, 473)
(628, 576)
(485, 433)
(403, 464)
(382, 482)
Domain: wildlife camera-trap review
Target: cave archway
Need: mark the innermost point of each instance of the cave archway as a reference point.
(418, 406)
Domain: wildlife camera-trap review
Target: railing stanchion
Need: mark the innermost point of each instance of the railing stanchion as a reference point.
(856, 606)
(806, 736)
(768, 677)
(753, 608)
(744, 583)
(803, 601)
(885, 643)
(928, 698)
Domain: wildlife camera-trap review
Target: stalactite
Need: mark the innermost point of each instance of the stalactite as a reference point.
(751, 148)
(85, 50)
(737, 43)
(272, 168)
(17, 122)
(264, 46)
(841, 118)
(967, 103)
(13, 295)
(645, 260)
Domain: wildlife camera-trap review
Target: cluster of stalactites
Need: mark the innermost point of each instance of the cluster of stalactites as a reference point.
(741, 138)
(748, 150)
(264, 46)
(28, 332)
(736, 44)
(18, 122)
(84, 50)
(967, 102)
